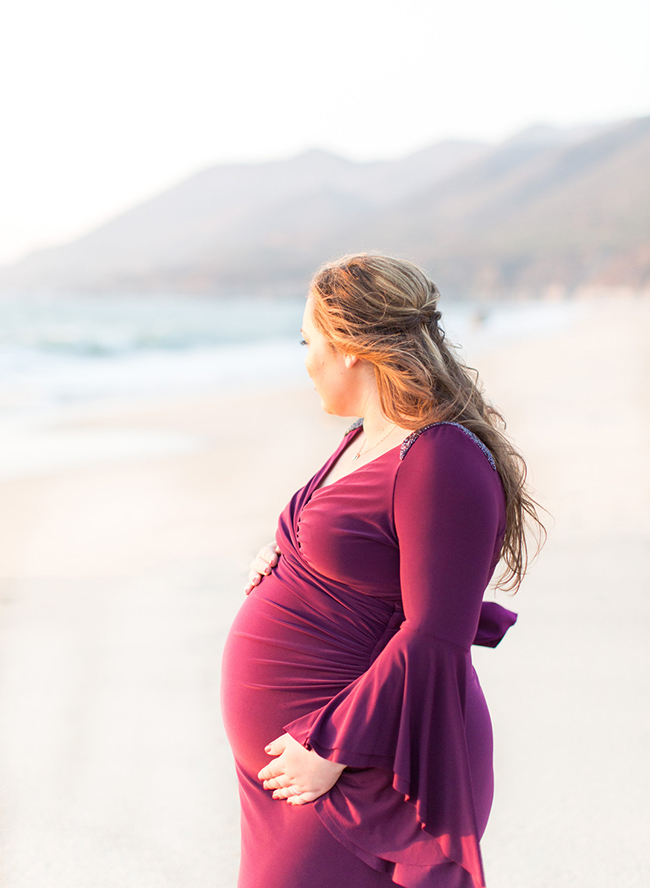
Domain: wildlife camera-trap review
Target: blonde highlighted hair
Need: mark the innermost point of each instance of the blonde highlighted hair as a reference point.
(385, 310)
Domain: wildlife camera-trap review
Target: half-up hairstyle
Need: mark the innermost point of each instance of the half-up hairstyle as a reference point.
(385, 310)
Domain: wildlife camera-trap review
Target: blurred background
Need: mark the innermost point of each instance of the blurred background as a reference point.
(172, 176)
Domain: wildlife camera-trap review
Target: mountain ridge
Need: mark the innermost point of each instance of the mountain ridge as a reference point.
(543, 209)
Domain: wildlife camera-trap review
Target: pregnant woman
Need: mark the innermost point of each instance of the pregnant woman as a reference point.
(361, 736)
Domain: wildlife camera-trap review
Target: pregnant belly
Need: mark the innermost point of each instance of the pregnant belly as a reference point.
(289, 651)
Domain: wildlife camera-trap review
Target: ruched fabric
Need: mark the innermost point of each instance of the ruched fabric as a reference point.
(358, 645)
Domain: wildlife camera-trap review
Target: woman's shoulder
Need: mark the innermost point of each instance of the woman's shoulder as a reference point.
(439, 433)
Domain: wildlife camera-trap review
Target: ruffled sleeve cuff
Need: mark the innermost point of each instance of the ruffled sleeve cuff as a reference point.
(405, 715)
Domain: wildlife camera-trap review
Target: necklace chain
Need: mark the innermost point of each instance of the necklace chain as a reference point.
(361, 450)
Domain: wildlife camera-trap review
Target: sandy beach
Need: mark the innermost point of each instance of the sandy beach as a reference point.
(119, 578)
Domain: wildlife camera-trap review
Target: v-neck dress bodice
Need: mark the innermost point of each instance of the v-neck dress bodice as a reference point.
(358, 645)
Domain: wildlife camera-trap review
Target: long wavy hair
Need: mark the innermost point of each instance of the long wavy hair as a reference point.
(385, 310)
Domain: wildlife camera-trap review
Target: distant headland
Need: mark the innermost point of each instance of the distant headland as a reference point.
(548, 212)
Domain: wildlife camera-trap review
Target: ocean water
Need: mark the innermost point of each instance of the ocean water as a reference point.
(67, 358)
(62, 352)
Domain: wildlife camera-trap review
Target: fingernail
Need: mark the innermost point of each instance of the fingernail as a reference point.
(267, 749)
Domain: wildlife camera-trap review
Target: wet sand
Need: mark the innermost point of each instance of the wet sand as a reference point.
(120, 579)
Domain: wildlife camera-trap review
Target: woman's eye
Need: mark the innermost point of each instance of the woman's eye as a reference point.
(303, 342)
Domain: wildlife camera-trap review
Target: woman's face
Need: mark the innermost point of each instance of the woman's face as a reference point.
(327, 368)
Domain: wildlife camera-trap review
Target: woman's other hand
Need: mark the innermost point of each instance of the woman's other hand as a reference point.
(262, 565)
(298, 775)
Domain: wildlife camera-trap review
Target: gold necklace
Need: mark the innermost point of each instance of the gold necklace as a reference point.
(359, 452)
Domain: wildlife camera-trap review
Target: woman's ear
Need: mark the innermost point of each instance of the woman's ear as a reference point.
(351, 360)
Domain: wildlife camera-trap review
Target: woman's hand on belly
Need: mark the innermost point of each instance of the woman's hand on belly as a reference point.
(298, 775)
(261, 566)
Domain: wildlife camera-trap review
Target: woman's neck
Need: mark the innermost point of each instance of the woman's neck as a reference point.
(375, 424)
(378, 429)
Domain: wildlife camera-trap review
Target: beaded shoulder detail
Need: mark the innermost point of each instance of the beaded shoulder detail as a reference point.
(355, 425)
(407, 442)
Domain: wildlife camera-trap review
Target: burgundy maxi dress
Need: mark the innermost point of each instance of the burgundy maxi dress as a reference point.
(358, 645)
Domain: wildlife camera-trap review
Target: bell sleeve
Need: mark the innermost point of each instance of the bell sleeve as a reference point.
(407, 713)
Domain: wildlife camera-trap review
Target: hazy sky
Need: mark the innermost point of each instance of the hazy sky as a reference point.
(104, 104)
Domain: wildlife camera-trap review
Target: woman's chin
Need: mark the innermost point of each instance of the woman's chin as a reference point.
(327, 408)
